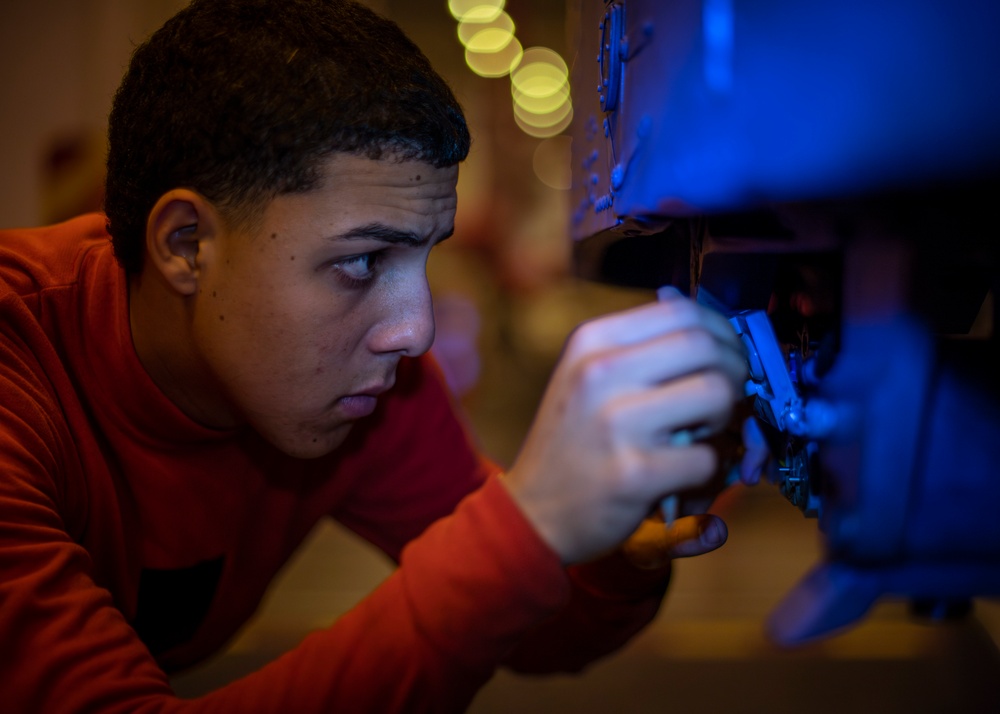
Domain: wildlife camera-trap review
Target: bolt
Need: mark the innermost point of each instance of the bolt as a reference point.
(617, 177)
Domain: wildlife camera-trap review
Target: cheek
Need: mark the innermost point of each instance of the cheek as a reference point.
(246, 337)
(333, 341)
(286, 336)
(305, 340)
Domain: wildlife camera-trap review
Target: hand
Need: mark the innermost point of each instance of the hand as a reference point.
(654, 543)
(599, 455)
(742, 451)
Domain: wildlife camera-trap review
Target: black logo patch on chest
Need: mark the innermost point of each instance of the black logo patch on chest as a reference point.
(172, 604)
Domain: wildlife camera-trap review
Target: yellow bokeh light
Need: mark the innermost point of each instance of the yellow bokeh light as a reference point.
(467, 29)
(539, 76)
(552, 163)
(492, 39)
(542, 104)
(540, 64)
(495, 64)
(545, 131)
(537, 79)
(538, 83)
(481, 10)
(544, 120)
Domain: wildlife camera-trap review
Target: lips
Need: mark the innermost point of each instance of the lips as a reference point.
(363, 403)
(356, 406)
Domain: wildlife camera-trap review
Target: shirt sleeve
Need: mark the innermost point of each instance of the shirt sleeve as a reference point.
(433, 633)
(435, 463)
(471, 586)
(413, 463)
(65, 645)
(424, 641)
(610, 602)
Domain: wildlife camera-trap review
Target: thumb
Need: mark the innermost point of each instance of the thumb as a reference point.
(654, 543)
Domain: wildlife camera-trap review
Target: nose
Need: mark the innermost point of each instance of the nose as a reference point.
(407, 324)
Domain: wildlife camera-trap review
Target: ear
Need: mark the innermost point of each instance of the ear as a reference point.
(178, 230)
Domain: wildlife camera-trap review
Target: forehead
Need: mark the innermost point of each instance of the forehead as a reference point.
(391, 171)
(410, 196)
(407, 187)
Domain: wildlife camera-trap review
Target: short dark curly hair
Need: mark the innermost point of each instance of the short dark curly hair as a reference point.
(241, 100)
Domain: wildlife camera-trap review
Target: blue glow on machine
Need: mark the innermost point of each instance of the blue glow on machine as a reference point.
(825, 174)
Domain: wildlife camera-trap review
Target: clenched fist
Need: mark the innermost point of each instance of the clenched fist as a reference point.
(602, 449)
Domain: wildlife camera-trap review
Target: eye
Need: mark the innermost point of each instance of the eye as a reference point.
(358, 269)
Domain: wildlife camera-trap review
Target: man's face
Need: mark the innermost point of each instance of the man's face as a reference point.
(302, 319)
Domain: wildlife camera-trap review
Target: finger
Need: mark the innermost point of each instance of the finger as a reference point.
(654, 544)
(662, 359)
(705, 534)
(701, 402)
(647, 321)
(669, 470)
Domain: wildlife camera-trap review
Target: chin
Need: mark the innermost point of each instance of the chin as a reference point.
(313, 445)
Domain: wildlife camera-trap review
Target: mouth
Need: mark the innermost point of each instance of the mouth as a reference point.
(357, 406)
(363, 402)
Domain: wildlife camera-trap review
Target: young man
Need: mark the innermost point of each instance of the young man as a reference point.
(178, 411)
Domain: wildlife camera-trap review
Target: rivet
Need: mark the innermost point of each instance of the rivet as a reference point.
(617, 177)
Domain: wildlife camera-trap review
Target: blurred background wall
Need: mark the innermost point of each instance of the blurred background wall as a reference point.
(505, 304)
(504, 298)
(60, 63)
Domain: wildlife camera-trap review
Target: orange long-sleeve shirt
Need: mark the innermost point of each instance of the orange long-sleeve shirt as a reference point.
(135, 542)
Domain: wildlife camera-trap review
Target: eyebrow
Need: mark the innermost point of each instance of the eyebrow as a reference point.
(388, 234)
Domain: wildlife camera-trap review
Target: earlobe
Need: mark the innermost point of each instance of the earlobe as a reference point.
(179, 225)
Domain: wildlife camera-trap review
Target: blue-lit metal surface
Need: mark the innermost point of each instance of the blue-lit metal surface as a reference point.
(727, 103)
(825, 174)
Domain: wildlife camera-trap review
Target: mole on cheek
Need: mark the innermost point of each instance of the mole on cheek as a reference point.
(273, 236)
(292, 258)
(222, 317)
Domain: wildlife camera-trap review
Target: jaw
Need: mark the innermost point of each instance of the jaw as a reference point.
(160, 325)
(306, 442)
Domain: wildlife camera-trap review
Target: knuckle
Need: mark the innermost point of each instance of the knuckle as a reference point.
(627, 465)
(717, 388)
(699, 341)
(610, 427)
(588, 373)
(631, 471)
(706, 464)
(583, 338)
(696, 465)
(687, 309)
(595, 370)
